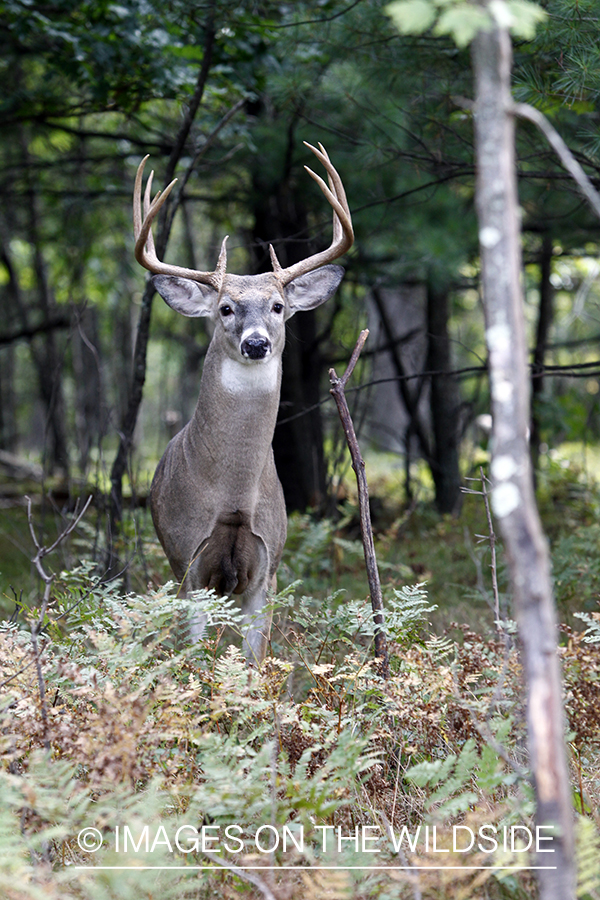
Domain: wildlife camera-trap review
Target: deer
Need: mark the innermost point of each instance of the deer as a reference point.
(216, 500)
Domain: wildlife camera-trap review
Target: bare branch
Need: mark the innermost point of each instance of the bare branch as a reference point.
(201, 152)
(358, 464)
(44, 551)
(354, 358)
(36, 627)
(491, 537)
(525, 111)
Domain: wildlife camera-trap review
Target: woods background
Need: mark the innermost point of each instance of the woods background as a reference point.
(96, 375)
(222, 95)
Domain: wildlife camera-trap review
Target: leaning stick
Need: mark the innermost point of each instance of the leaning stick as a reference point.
(358, 464)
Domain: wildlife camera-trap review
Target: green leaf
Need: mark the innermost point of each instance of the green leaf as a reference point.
(526, 16)
(501, 13)
(520, 16)
(462, 22)
(411, 16)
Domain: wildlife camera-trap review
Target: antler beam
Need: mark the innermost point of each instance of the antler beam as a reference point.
(343, 234)
(145, 251)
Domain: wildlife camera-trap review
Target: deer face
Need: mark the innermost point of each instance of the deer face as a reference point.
(249, 311)
(250, 318)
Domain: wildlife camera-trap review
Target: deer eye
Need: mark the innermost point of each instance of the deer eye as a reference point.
(225, 310)
(278, 308)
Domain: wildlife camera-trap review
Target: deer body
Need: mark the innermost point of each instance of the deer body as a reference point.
(216, 500)
(220, 466)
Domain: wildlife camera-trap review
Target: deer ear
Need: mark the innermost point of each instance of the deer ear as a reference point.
(310, 290)
(186, 297)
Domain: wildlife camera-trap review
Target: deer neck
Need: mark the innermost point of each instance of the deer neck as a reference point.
(233, 424)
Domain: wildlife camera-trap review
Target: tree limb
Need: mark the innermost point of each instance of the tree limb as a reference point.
(30, 331)
(525, 111)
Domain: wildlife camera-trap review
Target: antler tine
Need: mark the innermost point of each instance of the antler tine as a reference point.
(337, 225)
(137, 198)
(335, 193)
(335, 182)
(147, 204)
(144, 242)
(343, 234)
(145, 251)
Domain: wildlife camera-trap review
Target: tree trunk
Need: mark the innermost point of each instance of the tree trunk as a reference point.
(8, 424)
(409, 391)
(89, 400)
(437, 438)
(46, 360)
(280, 218)
(444, 405)
(512, 497)
(140, 353)
(298, 444)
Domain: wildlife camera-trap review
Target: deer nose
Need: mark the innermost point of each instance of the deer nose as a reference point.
(256, 347)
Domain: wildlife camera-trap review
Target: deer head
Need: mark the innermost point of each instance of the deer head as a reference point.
(250, 310)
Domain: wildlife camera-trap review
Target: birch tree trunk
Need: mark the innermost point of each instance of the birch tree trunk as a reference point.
(513, 497)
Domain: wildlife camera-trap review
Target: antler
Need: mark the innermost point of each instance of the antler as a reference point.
(343, 234)
(145, 251)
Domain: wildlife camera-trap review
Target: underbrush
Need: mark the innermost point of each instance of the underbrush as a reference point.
(137, 765)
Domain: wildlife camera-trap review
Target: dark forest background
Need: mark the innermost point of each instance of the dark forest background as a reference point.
(96, 374)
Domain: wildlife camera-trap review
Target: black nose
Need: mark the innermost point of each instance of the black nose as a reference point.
(256, 347)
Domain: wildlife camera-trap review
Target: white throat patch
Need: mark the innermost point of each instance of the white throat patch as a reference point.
(256, 377)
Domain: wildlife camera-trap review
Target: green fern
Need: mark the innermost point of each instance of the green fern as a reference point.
(587, 853)
(592, 633)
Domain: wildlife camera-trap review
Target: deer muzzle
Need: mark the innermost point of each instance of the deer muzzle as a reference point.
(256, 346)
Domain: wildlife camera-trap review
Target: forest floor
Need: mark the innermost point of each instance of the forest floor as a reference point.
(111, 717)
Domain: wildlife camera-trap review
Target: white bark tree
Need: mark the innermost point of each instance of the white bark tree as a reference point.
(513, 500)
(486, 27)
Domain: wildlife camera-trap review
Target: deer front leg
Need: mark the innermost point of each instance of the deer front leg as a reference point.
(257, 625)
(197, 627)
(196, 623)
(257, 619)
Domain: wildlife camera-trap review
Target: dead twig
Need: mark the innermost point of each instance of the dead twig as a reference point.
(525, 111)
(358, 464)
(37, 626)
(491, 537)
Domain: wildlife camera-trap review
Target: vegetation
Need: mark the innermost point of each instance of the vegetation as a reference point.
(111, 720)
(139, 729)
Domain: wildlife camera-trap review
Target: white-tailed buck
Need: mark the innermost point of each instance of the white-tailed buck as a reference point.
(216, 500)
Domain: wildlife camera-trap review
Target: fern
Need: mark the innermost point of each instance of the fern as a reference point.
(453, 778)
(406, 613)
(150, 732)
(587, 843)
(592, 633)
(440, 647)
